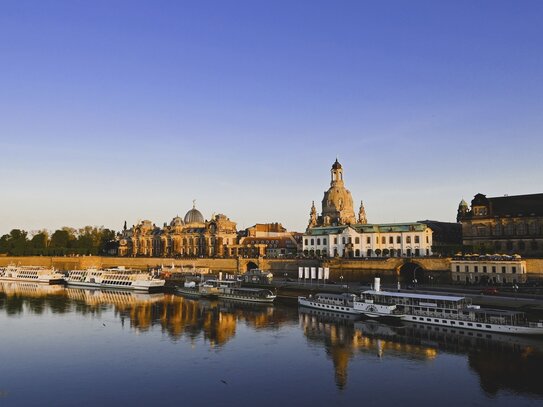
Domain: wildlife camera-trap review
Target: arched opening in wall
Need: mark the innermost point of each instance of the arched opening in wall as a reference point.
(412, 274)
(251, 266)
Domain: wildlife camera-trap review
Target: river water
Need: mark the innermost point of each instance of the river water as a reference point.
(64, 347)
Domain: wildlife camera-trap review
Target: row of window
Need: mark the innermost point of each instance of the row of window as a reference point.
(508, 229)
(117, 282)
(384, 239)
(372, 253)
(484, 269)
(444, 321)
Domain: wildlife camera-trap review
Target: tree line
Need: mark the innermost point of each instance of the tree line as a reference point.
(90, 240)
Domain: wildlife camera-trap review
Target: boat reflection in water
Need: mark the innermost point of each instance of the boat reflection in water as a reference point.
(502, 362)
(179, 317)
(216, 320)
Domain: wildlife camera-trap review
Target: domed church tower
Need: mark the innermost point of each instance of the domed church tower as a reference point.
(337, 204)
(463, 210)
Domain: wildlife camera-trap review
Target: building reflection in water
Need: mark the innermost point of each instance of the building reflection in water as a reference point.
(503, 362)
(179, 317)
(343, 341)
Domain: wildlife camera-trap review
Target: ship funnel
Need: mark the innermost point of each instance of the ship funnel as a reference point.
(377, 284)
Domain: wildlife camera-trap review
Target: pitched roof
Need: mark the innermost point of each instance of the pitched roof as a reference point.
(517, 205)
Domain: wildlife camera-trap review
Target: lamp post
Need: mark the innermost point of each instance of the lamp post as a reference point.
(341, 280)
(415, 276)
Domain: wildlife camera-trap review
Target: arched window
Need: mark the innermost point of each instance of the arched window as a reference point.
(312, 242)
(408, 239)
(357, 252)
(357, 240)
(318, 241)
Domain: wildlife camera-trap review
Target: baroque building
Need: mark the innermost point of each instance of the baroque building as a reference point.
(273, 239)
(507, 224)
(191, 236)
(337, 232)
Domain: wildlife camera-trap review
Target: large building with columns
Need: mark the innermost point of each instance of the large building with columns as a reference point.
(337, 232)
(191, 236)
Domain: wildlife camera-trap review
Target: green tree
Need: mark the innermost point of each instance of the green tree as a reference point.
(17, 242)
(59, 239)
(40, 240)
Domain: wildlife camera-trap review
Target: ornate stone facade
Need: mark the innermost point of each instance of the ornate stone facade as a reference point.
(508, 224)
(189, 237)
(338, 233)
(337, 203)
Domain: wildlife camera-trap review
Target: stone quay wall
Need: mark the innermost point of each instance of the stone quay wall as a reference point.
(350, 269)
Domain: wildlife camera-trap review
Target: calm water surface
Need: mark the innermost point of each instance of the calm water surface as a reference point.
(63, 347)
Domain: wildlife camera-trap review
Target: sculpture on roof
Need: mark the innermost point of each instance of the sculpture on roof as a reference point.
(362, 214)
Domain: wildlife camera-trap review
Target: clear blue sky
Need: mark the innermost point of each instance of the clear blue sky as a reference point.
(114, 110)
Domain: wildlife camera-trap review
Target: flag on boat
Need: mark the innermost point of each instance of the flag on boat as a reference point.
(306, 272)
(300, 272)
(321, 274)
(326, 273)
(313, 272)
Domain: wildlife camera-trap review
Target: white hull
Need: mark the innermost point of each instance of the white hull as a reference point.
(43, 280)
(309, 303)
(234, 297)
(135, 286)
(194, 292)
(477, 326)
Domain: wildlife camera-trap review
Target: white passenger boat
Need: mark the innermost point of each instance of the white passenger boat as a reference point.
(228, 290)
(451, 311)
(31, 273)
(113, 278)
(198, 289)
(343, 303)
(232, 290)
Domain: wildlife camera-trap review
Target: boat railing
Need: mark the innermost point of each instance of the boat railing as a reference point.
(443, 316)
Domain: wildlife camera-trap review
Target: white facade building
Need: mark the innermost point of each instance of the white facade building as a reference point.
(495, 269)
(367, 240)
(337, 232)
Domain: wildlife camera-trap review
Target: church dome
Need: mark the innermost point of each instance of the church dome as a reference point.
(194, 216)
(177, 221)
(336, 165)
(337, 199)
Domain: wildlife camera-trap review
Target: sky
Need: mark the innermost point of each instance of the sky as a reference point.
(129, 110)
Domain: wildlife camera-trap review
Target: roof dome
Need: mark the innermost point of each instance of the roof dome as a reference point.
(336, 165)
(177, 221)
(463, 204)
(194, 216)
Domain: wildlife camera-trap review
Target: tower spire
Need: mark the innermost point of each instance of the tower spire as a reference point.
(362, 219)
(313, 216)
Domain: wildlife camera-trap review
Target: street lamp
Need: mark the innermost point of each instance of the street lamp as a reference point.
(415, 275)
(341, 280)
